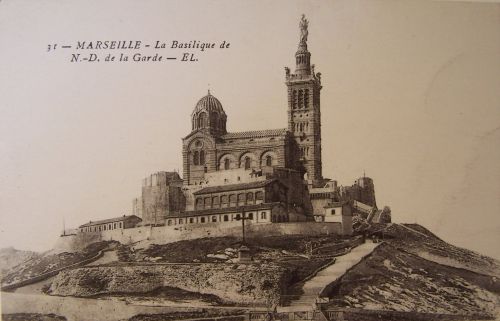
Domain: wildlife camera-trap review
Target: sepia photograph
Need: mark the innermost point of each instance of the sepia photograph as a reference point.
(216, 160)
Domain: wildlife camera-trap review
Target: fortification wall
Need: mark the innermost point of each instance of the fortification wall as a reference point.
(169, 234)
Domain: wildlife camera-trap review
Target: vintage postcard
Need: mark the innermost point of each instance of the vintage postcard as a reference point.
(237, 160)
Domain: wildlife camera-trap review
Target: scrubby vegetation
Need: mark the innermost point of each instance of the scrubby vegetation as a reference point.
(47, 262)
(417, 240)
(398, 276)
(299, 255)
(32, 317)
(218, 249)
(206, 315)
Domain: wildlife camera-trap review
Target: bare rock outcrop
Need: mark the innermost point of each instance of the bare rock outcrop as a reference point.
(232, 283)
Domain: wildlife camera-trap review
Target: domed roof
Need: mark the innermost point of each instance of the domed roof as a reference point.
(209, 103)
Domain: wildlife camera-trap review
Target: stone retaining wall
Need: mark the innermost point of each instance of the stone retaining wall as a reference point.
(169, 234)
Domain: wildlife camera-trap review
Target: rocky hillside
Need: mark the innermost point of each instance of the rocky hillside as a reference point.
(10, 258)
(38, 264)
(231, 283)
(207, 266)
(419, 241)
(415, 271)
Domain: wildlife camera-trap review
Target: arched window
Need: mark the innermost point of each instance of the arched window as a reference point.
(202, 120)
(214, 120)
(223, 200)
(294, 99)
(202, 220)
(208, 202)
(250, 197)
(196, 158)
(202, 157)
(232, 200)
(241, 198)
(226, 164)
(214, 218)
(226, 218)
(269, 160)
(306, 98)
(169, 222)
(301, 98)
(250, 216)
(215, 201)
(199, 203)
(247, 162)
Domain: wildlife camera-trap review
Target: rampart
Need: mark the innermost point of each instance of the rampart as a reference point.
(169, 234)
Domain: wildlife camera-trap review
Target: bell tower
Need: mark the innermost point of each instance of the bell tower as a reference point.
(304, 115)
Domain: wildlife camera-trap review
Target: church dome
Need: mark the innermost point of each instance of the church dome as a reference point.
(209, 103)
(209, 114)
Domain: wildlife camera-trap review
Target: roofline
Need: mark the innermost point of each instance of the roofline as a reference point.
(285, 132)
(109, 220)
(234, 209)
(242, 186)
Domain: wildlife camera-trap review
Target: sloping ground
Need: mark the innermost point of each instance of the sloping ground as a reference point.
(10, 257)
(391, 279)
(41, 264)
(281, 261)
(312, 288)
(32, 317)
(202, 250)
(206, 315)
(418, 240)
(291, 252)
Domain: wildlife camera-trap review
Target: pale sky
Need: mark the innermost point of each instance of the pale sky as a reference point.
(411, 95)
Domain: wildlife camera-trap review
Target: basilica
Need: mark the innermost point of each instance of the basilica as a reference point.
(264, 176)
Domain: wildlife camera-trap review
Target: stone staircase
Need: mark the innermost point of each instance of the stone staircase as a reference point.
(313, 287)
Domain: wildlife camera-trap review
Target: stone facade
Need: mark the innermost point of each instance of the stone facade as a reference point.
(337, 212)
(304, 114)
(210, 153)
(210, 148)
(117, 223)
(137, 207)
(204, 153)
(162, 196)
(188, 231)
(363, 190)
(276, 173)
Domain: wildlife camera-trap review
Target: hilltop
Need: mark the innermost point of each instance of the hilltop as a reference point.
(412, 272)
(415, 271)
(10, 257)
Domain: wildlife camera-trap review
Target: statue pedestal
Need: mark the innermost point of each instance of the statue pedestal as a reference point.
(244, 254)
